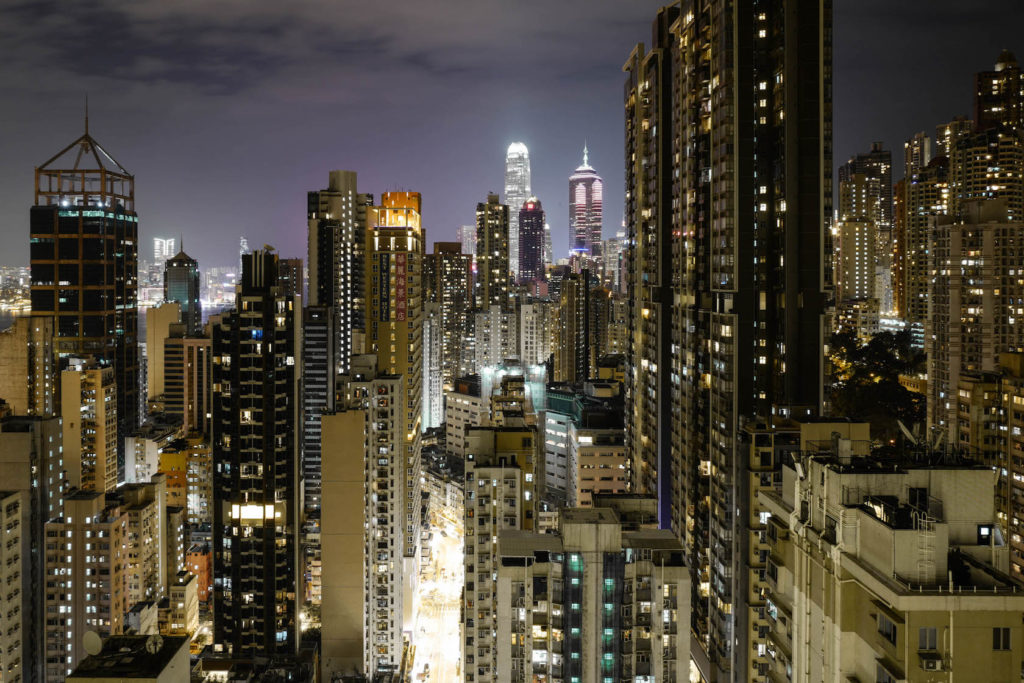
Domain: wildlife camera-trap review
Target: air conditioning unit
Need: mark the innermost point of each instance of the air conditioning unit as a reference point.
(932, 662)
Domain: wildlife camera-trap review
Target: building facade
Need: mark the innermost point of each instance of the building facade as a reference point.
(492, 253)
(517, 190)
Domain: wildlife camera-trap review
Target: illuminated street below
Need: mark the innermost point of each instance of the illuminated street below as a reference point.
(436, 634)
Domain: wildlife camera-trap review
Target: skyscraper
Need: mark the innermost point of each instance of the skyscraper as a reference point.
(531, 240)
(728, 183)
(163, 248)
(492, 253)
(454, 277)
(337, 257)
(999, 95)
(394, 319)
(319, 369)
(181, 284)
(549, 251)
(586, 190)
(517, 189)
(84, 255)
(256, 511)
(927, 196)
(467, 237)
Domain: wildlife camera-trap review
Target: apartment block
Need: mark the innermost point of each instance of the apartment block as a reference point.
(28, 366)
(594, 602)
(88, 398)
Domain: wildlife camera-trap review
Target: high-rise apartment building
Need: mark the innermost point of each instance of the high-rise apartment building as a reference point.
(367, 503)
(572, 351)
(999, 95)
(975, 293)
(535, 334)
(492, 253)
(394, 320)
(899, 247)
(502, 477)
(181, 284)
(728, 203)
(947, 135)
(337, 257)
(876, 165)
(318, 374)
(467, 238)
(85, 587)
(433, 386)
(464, 407)
(256, 506)
(858, 236)
(32, 469)
(84, 254)
(927, 196)
(610, 602)
(531, 240)
(517, 190)
(28, 366)
(586, 198)
(988, 164)
(291, 277)
(88, 398)
(496, 338)
(453, 278)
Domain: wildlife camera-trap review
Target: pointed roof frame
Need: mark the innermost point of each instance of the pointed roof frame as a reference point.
(86, 142)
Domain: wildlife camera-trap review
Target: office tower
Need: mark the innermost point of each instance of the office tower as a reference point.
(496, 337)
(899, 247)
(163, 249)
(17, 654)
(728, 179)
(975, 294)
(517, 190)
(948, 134)
(32, 469)
(502, 476)
(586, 190)
(394, 315)
(98, 604)
(572, 351)
(256, 510)
(158, 328)
(535, 336)
(466, 236)
(613, 251)
(531, 223)
(549, 252)
(918, 536)
(291, 278)
(337, 219)
(188, 372)
(492, 253)
(433, 386)
(988, 164)
(28, 369)
(84, 255)
(464, 407)
(181, 284)
(318, 373)
(453, 268)
(594, 585)
(88, 397)
(363, 535)
(927, 196)
(999, 95)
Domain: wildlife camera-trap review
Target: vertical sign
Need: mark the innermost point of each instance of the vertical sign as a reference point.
(383, 288)
(400, 286)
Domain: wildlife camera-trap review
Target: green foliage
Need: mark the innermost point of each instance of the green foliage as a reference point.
(865, 382)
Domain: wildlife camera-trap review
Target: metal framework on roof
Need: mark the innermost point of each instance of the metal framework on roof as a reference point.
(84, 174)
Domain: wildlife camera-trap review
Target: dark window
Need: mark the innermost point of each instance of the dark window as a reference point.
(42, 274)
(92, 300)
(94, 326)
(887, 628)
(42, 299)
(927, 638)
(69, 249)
(68, 326)
(1000, 639)
(68, 299)
(68, 274)
(41, 248)
(94, 274)
(93, 249)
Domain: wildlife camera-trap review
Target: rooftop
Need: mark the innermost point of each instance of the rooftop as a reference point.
(130, 657)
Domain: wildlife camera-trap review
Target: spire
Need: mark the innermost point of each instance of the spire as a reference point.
(584, 151)
(86, 113)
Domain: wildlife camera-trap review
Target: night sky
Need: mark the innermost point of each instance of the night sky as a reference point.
(227, 112)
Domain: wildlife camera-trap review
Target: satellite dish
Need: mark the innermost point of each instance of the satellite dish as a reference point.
(92, 643)
(154, 644)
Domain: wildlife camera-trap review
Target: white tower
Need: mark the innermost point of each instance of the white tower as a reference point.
(517, 191)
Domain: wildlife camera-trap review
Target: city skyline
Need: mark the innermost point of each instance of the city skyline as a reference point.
(165, 118)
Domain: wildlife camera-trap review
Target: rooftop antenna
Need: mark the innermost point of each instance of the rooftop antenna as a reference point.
(86, 113)
(584, 145)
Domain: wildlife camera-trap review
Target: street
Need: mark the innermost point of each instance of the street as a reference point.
(436, 634)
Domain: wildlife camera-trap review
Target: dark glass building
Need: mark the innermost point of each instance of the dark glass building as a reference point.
(256, 478)
(531, 241)
(84, 257)
(181, 284)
